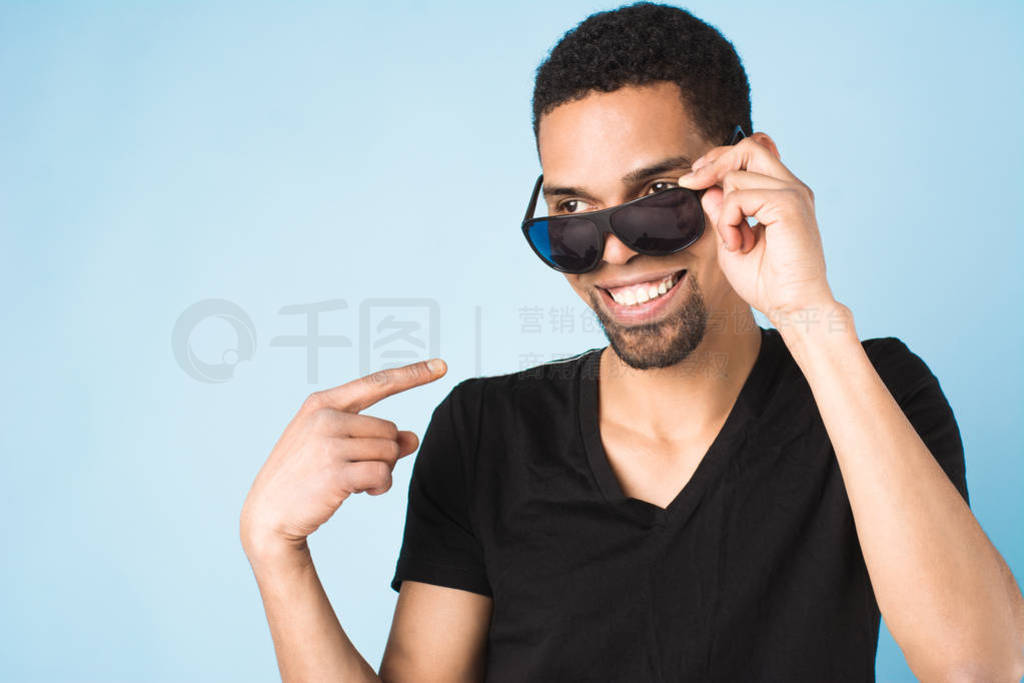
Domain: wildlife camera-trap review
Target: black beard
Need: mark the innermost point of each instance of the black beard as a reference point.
(662, 343)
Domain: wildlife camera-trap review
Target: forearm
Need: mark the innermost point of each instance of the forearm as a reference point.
(308, 639)
(946, 594)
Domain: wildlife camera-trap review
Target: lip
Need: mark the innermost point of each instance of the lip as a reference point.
(622, 282)
(645, 312)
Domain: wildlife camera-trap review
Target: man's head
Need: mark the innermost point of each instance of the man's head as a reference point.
(623, 92)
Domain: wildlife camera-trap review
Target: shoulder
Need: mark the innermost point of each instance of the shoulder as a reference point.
(556, 376)
(902, 370)
(549, 386)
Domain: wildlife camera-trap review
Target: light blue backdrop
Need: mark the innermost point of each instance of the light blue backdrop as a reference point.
(156, 156)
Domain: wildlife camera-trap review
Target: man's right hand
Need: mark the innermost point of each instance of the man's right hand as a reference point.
(326, 453)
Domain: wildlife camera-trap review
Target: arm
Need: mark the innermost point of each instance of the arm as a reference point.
(328, 452)
(308, 640)
(437, 634)
(945, 592)
(442, 618)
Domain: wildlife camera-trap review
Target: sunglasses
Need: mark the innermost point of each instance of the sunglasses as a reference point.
(656, 224)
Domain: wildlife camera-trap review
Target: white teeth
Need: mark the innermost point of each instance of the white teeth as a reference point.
(631, 296)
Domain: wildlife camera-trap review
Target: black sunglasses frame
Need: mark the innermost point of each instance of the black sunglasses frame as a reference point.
(602, 219)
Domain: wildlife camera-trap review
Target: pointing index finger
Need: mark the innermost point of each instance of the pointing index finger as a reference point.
(360, 394)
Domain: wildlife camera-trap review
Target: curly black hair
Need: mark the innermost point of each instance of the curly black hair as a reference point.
(642, 43)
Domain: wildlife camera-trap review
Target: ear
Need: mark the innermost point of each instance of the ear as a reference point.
(764, 139)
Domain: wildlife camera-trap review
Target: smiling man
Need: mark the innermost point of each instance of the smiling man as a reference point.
(607, 149)
(703, 499)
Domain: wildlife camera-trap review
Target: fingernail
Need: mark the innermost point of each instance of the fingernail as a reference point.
(435, 365)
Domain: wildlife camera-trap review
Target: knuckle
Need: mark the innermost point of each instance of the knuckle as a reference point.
(796, 202)
(417, 371)
(378, 378)
(334, 450)
(319, 416)
(377, 488)
(314, 401)
(382, 476)
(390, 429)
(807, 189)
(343, 479)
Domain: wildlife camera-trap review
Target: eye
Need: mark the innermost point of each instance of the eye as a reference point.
(570, 206)
(661, 186)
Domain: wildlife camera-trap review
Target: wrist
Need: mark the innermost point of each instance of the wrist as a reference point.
(272, 557)
(266, 548)
(811, 330)
(825, 317)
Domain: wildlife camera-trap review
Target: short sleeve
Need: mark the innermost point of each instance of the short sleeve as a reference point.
(920, 396)
(439, 545)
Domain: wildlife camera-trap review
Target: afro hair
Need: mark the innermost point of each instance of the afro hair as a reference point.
(643, 43)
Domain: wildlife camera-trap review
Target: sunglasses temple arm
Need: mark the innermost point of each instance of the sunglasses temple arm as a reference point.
(533, 199)
(737, 135)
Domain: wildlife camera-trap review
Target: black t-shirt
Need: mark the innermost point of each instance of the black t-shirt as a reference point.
(752, 573)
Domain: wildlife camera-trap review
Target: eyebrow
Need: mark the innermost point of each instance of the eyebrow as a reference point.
(631, 179)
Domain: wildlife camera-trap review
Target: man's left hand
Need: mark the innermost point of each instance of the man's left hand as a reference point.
(777, 266)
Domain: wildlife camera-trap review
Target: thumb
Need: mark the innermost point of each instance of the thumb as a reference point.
(408, 442)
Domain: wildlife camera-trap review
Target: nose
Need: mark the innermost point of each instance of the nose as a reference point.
(615, 250)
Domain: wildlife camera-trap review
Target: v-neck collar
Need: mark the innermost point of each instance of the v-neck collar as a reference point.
(714, 460)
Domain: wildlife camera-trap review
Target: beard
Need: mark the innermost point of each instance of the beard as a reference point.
(661, 343)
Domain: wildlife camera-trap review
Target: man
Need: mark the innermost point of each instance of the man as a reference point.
(704, 499)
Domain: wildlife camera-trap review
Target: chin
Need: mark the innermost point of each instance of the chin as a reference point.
(659, 343)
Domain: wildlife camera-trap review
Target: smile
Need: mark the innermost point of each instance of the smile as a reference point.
(632, 295)
(641, 301)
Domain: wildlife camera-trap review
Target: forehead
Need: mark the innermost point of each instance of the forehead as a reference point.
(607, 132)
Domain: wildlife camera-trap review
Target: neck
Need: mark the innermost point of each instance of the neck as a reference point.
(685, 399)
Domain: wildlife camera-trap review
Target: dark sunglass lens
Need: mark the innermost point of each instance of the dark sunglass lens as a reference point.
(663, 222)
(572, 244)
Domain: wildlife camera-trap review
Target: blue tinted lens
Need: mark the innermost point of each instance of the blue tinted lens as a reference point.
(570, 243)
(538, 234)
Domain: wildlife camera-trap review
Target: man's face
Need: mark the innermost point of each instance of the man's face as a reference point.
(590, 151)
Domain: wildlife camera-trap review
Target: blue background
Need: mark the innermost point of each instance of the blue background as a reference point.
(154, 156)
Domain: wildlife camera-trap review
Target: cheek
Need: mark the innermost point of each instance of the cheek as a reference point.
(705, 248)
(574, 282)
